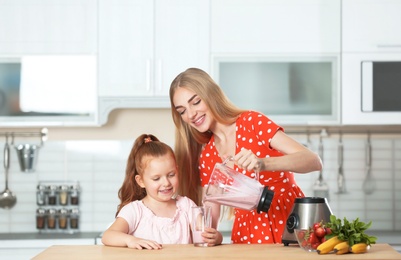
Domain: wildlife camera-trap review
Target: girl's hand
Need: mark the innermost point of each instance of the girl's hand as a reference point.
(212, 237)
(246, 160)
(139, 243)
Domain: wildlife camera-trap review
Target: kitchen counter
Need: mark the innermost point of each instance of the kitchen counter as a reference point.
(44, 240)
(225, 251)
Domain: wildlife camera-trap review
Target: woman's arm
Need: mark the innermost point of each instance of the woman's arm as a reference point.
(297, 158)
(117, 235)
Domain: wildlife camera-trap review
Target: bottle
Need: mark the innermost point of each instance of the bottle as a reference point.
(74, 218)
(40, 218)
(41, 195)
(51, 218)
(62, 218)
(52, 195)
(63, 195)
(74, 194)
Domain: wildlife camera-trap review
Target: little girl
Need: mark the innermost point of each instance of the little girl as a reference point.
(151, 213)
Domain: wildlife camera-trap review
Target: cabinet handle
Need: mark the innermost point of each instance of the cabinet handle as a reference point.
(389, 46)
(159, 75)
(148, 75)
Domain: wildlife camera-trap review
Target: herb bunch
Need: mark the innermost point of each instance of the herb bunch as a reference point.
(351, 231)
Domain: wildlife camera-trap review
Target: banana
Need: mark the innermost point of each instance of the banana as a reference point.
(328, 246)
(359, 248)
(341, 248)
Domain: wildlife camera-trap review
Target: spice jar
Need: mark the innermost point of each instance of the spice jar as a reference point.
(63, 195)
(52, 195)
(40, 218)
(51, 218)
(74, 218)
(74, 194)
(62, 218)
(41, 195)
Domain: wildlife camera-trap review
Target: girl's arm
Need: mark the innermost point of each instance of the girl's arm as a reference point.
(117, 235)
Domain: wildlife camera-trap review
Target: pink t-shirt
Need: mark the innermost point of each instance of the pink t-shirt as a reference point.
(145, 224)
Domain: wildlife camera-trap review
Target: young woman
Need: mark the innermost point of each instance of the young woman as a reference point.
(151, 213)
(209, 128)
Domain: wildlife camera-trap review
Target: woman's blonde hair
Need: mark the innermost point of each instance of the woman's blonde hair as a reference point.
(189, 141)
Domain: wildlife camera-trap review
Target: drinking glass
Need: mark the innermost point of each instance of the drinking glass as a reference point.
(201, 219)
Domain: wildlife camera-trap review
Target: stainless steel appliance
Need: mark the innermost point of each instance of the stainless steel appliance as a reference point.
(305, 212)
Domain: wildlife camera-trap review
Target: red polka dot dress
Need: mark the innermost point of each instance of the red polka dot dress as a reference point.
(254, 131)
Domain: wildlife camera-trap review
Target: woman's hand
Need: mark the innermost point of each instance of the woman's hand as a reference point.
(247, 160)
(212, 237)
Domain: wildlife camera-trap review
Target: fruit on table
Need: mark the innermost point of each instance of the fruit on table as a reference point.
(341, 248)
(359, 248)
(328, 246)
(346, 237)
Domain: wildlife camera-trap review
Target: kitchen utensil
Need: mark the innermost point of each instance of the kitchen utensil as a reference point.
(320, 188)
(369, 184)
(340, 176)
(7, 198)
(305, 212)
(231, 188)
(27, 156)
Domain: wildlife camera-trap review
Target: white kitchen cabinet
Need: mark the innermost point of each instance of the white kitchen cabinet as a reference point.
(143, 45)
(48, 27)
(275, 26)
(371, 25)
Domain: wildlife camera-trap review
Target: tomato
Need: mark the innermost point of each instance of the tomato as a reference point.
(320, 232)
(323, 239)
(301, 235)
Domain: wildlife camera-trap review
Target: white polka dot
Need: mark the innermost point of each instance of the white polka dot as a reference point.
(259, 241)
(281, 222)
(207, 155)
(267, 238)
(250, 140)
(256, 227)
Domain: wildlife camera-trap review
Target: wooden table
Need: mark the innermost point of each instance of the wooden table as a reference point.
(225, 251)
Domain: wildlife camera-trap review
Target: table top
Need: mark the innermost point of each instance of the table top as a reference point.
(225, 251)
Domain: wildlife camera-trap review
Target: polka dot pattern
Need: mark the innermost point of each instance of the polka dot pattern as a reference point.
(254, 131)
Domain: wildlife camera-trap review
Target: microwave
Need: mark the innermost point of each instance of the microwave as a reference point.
(371, 88)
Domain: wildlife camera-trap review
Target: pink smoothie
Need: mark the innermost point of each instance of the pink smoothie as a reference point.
(237, 201)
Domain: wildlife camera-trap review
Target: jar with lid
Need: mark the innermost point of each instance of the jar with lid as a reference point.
(51, 218)
(40, 218)
(52, 195)
(41, 195)
(63, 195)
(62, 218)
(74, 218)
(74, 194)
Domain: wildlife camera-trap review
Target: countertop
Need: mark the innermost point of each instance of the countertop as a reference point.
(225, 251)
(44, 240)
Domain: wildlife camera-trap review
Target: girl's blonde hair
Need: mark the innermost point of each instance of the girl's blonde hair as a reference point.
(145, 147)
(189, 141)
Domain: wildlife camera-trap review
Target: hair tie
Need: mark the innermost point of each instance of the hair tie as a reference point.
(148, 139)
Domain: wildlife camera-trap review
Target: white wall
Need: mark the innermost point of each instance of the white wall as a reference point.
(96, 157)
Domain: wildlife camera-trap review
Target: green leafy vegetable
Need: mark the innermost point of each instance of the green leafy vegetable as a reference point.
(351, 231)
